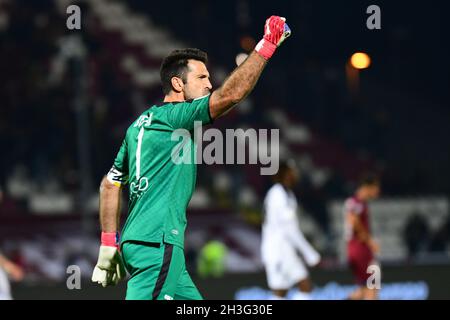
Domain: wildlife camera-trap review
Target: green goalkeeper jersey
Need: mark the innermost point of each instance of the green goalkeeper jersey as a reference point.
(159, 166)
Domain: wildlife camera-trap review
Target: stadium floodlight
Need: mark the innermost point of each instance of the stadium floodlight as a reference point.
(360, 60)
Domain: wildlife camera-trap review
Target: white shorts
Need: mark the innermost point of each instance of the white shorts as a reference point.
(284, 269)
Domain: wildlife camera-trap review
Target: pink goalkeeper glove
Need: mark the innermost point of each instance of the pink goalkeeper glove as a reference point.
(276, 31)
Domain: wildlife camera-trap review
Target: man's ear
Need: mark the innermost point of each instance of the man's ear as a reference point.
(177, 84)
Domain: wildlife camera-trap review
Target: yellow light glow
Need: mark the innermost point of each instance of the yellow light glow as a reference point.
(360, 60)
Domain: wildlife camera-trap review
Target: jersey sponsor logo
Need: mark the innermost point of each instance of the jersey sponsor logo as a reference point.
(138, 188)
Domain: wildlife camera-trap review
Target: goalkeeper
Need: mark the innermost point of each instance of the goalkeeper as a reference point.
(152, 240)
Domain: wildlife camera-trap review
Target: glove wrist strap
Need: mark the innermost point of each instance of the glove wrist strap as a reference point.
(110, 239)
(265, 48)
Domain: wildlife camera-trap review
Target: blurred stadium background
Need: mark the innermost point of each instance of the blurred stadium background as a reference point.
(67, 97)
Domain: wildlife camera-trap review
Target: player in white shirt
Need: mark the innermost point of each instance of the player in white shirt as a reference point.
(7, 267)
(282, 239)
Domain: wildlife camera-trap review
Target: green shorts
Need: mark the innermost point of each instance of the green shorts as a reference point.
(158, 272)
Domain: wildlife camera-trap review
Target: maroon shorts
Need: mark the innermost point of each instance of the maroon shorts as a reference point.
(359, 258)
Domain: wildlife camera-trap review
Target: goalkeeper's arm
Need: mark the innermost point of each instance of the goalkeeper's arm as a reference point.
(109, 268)
(237, 86)
(242, 80)
(110, 195)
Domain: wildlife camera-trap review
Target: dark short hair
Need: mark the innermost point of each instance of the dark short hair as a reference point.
(369, 179)
(176, 65)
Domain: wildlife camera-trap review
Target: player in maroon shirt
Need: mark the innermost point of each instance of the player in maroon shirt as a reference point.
(361, 247)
